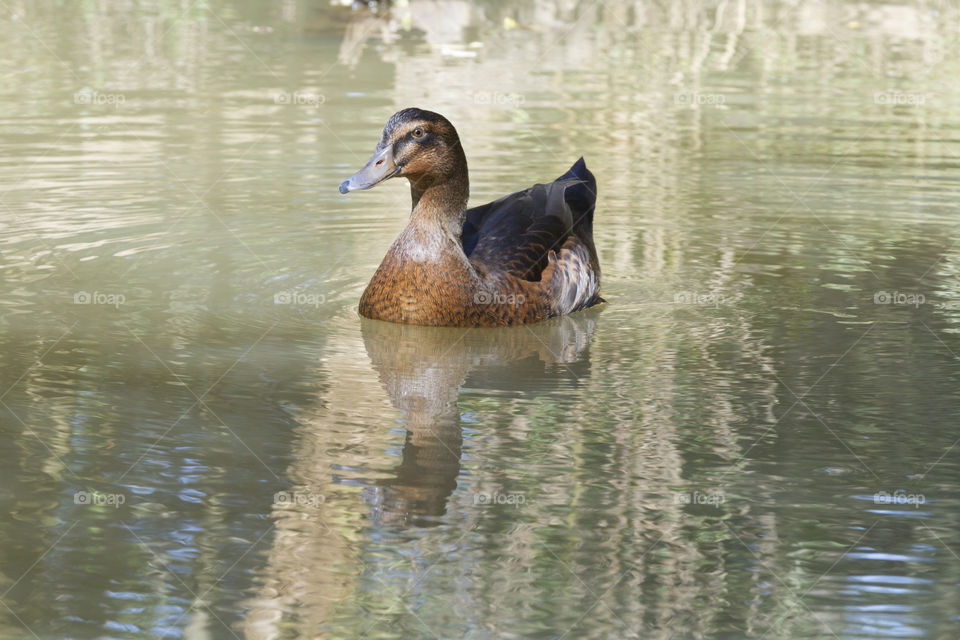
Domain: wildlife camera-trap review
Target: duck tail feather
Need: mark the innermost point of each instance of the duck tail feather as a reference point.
(581, 194)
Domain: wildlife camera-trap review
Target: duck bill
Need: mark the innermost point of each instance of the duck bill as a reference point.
(378, 168)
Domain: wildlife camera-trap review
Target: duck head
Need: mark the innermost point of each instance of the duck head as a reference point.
(419, 145)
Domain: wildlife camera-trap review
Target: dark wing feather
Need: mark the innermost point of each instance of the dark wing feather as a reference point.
(516, 233)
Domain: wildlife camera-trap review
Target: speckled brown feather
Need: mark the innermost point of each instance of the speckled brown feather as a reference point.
(531, 255)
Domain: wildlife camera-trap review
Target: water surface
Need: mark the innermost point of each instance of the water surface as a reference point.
(755, 438)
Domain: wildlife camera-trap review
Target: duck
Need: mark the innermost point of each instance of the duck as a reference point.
(521, 259)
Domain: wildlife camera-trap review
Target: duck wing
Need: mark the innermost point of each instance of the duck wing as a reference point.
(516, 233)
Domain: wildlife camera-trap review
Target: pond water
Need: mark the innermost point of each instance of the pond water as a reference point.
(755, 438)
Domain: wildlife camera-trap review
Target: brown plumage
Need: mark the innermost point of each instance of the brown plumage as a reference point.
(523, 258)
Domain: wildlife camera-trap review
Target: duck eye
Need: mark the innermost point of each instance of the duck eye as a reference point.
(417, 133)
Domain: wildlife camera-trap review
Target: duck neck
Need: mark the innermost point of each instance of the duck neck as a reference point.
(441, 205)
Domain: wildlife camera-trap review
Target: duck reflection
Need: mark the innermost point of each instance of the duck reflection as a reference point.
(422, 370)
(426, 373)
